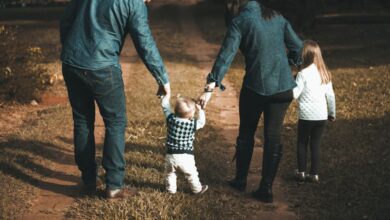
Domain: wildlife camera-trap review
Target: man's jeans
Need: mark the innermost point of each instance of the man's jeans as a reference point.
(105, 86)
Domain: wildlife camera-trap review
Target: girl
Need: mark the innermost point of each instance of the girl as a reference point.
(316, 101)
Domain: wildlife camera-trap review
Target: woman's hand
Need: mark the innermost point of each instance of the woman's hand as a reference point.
(206, 96)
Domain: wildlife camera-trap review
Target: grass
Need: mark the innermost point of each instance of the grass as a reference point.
(354, 152)
(354, 168)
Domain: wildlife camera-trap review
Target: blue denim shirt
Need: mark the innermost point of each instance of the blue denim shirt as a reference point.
(92, 35)
(263, 44)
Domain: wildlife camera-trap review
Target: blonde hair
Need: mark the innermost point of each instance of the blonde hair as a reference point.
(184, 108)
(312, 54)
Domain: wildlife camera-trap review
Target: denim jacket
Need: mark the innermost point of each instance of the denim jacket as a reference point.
(263, 44)
(92, 35)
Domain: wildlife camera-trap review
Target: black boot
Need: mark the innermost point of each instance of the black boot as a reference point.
(271, 159)
(243, 156)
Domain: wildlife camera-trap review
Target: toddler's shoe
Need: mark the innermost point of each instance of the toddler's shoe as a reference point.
(204, 189)
(300, 176)
(313, 178)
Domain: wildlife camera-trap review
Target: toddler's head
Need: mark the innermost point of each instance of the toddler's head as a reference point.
(185, 108)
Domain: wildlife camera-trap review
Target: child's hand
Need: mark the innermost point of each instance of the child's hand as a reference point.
(331, 118)
(198, 107)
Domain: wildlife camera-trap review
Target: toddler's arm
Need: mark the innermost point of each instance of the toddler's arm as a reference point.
(331, 100)
(166, 106)
(201, 121)
(300, 85)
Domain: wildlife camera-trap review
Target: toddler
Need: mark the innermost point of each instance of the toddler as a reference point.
(317, 105)
(180, 139)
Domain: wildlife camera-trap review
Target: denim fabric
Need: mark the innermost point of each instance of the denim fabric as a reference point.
(263, 44)
(92, 35)
(105, 87)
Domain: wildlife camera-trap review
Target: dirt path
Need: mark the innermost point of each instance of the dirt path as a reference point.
(56, 194)
(223, 112)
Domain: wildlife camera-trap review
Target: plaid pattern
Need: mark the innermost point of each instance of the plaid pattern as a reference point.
(181, 135)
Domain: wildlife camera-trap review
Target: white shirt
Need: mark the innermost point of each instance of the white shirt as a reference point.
(316, 101)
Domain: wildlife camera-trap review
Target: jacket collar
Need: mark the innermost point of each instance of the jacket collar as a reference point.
(251, 5)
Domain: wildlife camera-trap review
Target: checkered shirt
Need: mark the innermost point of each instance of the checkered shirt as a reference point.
(181, 135)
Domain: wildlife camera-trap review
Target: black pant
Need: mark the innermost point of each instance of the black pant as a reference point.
(309, 132)
(252, 105)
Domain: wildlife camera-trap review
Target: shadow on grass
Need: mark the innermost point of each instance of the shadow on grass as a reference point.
(354, 171)
(21, 159)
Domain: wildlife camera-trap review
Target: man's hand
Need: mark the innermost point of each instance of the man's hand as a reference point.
(164, 91)
(147, 1)
(331, 118)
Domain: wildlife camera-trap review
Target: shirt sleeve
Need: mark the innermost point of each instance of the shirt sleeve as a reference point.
(166, 106)
(201, 121)
(67, 20)
(226, 55)
(294, 45)
(300, 85)
(144, 43)
(331, 100)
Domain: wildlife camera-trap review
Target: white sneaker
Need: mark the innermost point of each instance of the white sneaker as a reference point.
(203, 190)
(313, 178)
(300, 176)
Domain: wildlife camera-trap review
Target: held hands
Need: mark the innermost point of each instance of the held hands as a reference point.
(164, 91)
(206, 96)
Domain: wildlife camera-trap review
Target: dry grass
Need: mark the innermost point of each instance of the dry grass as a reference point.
(355, 164)
(355, 155)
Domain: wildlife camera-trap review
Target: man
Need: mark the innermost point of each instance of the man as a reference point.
(92, 36)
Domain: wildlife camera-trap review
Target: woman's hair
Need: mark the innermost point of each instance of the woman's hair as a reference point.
(233, 8)
(312, 54)
(184, 107)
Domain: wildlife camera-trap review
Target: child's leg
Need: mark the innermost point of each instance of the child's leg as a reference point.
(187, 166)
(304, 128)
(315, 139)
(170, 173)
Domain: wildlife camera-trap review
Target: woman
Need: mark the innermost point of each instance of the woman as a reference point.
(262, 35)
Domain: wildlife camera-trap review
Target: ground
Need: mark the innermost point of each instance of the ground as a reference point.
(39, 179)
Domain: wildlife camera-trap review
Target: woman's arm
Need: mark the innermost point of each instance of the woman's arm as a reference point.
(226, 55)
(293, 44)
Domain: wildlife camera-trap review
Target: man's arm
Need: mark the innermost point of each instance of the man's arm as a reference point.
(67, 20)
(144, 43)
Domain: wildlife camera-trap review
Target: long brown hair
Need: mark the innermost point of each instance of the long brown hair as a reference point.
(312, 54)
(233, 8)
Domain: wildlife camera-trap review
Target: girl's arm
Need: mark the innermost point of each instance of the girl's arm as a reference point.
(300, 85)
(166, 106)
(226, 55)
(293, 44)
(331, 100)
(201, 121)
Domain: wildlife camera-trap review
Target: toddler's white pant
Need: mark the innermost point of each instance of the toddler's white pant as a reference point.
(186, 164)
